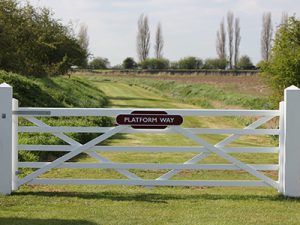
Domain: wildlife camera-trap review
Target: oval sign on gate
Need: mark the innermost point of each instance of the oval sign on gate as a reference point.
(149, 119)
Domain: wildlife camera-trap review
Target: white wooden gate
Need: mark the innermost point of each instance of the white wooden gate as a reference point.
(288, 182)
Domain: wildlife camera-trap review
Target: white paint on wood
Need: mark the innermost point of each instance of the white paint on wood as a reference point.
(15, 139)
(227, 157)
(67, 148)
(73, 143)
(221, 144)
(34, 129)
(5, 139)
(290, 171)
(114, 112)
(148, 166)
(207, 183)
(77, 150)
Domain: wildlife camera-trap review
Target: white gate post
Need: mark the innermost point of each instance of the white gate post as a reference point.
(290, 156)
(15, 106)
(5, 139)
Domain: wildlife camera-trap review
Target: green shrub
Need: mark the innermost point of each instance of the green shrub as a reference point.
(215, 64)
(283, 68)
(99, 63)
(190, 63)
(55, 92)
(245, 63)
(33, 43)
(155, 64)
(129, 63)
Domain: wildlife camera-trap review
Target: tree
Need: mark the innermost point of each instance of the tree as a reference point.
(99, 63)
(216, 63)
(83, 39)
(159, 42)
(284, 17)
(221, 41)
(155, 64)
(237, 41)
(245, 63)
(230, 31)
(190, 63)
(33, 43)
(143, 38)
(129, 63)
(266, 36)
(283, 67)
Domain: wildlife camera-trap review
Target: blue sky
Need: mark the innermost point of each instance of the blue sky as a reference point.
(189, 26)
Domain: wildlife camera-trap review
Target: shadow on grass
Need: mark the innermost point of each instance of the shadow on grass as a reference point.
(157, 198)
(24, 221)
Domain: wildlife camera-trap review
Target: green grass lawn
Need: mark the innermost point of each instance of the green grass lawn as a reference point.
(62, 205)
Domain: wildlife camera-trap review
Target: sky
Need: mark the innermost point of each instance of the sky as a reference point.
(189, 26)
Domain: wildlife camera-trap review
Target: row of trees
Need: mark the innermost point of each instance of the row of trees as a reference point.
(186, 63)
(224, 60)
(234, 40)
(143, 39)
(32, 42)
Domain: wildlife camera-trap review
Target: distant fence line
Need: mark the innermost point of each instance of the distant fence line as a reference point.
(175, 72)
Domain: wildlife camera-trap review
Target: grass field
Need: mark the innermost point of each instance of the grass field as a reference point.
(93, 205)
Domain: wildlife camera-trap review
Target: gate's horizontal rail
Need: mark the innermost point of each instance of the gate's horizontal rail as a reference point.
(150, 182)
(35, 129)
(147, 166)
(66, 148)
(116, 111)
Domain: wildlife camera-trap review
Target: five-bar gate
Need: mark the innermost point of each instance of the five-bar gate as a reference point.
(288, 150)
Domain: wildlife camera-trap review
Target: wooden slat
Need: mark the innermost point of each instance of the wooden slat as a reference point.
(147, 166)
(227, 157)
(35, 129)
(76, 151)
(220, 145)
(74, 143)
(150, 182)
(66, 148)
(116, 111)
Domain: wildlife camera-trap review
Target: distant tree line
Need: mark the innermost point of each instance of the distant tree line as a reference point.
(186, 63)
(228, 42)
(32, 42)
(159, 62)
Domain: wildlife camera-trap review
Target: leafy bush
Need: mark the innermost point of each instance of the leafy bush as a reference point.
(33, 43)
(155, 64)
(283, 68)
(216, 63)
(99, 63)
(129, 63)
(190, 63)
(245, 63)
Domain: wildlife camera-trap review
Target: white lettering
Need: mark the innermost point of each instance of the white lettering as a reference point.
(166, 120)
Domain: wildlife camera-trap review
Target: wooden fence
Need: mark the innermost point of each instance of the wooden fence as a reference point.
(288, 150)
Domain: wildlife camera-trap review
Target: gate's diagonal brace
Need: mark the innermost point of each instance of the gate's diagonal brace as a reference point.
(222, 143)
(77, 150)
(225, 156)
(72, 142)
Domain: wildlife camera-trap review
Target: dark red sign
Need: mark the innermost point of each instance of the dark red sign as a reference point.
(149, 119)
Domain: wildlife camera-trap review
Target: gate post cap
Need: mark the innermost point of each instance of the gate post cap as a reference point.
(292, 87)
(5, 85)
